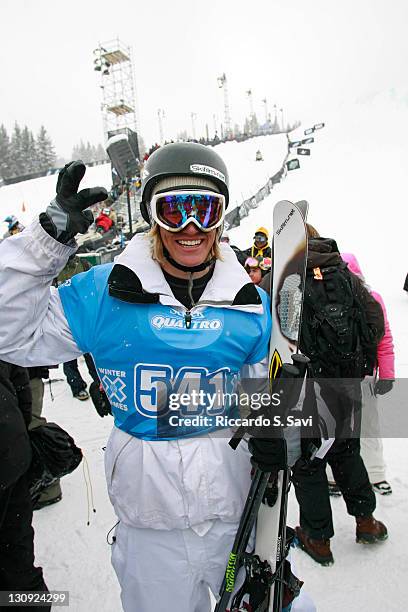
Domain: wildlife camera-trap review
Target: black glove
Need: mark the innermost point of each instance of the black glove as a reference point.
(268, 454)
(66, 215)
(100, 399)
(383, 386)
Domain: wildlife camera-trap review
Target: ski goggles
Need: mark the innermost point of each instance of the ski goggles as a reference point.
(172, 210)
(261, 238)
(252, 262)
(264, 263)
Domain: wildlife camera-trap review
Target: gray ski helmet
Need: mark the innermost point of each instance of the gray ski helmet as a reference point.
(189, 159)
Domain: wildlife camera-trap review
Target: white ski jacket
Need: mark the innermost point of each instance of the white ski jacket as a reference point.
(161, 484)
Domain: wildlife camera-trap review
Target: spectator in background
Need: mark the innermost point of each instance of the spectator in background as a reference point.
(260, 248)
(379, 384)
(104, 221)
(257, 268)
(336, 391)
(225, 238)
(14, 226)
(52, 494)
(17, 570)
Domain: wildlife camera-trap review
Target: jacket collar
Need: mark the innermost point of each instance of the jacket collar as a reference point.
(137, 278)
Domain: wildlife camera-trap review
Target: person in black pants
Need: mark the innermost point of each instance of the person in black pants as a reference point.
(334, 398)
(75, 380)
(52, 494)
(312, 493)
(17, 569)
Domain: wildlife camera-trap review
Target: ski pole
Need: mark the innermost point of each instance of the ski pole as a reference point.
(279, 586)
(301, 362)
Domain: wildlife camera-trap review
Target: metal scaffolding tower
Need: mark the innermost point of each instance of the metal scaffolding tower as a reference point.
(265, 103)
(251, 103)
(113, 60)
(222, 83)
(161, 116)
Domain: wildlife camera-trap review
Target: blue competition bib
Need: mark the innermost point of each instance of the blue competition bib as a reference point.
(163, 381)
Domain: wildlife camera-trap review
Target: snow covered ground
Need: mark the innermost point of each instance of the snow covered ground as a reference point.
(37, 193)
(246, 174)
(356, 184)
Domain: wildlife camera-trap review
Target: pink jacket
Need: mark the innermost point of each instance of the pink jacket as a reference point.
(385, 349)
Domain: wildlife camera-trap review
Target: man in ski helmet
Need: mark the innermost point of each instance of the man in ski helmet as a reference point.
(174, 313)
(260, 248)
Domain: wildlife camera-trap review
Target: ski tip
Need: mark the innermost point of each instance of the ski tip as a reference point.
(303, 206)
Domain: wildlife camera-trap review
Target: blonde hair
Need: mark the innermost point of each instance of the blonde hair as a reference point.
(157, 247)
(311, 231)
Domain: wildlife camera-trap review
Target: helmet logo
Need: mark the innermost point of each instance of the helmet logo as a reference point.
(200, 169)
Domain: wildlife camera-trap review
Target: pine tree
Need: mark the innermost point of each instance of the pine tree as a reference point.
(17, 164)
(75, 153)
(89, 153)
(100, 153)
(79, 152)
(4, 153)
(28, 151)
(35, 164)
(45, 150)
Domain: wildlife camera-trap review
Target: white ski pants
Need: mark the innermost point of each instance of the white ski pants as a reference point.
(161, 571)
(371, 444)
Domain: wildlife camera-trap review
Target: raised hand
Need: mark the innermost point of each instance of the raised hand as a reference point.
(66, 215)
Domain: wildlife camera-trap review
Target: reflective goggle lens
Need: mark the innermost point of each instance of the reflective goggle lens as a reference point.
(174, 210)
(260, 238)
(252, 262)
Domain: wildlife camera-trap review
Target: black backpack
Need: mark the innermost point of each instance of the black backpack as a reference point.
(335, 334)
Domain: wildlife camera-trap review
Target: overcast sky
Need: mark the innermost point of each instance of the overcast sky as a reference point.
(303, 55)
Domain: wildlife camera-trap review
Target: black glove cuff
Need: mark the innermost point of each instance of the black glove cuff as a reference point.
(268, 455)
(48, 225)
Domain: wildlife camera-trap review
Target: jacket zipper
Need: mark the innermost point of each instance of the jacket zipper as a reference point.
(187, 318)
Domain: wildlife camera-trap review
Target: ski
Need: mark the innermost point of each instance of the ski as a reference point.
(264, 584)
(288, 280)
(303, 206)
(289, 387)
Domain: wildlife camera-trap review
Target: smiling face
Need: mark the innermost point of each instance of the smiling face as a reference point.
(189, 247)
